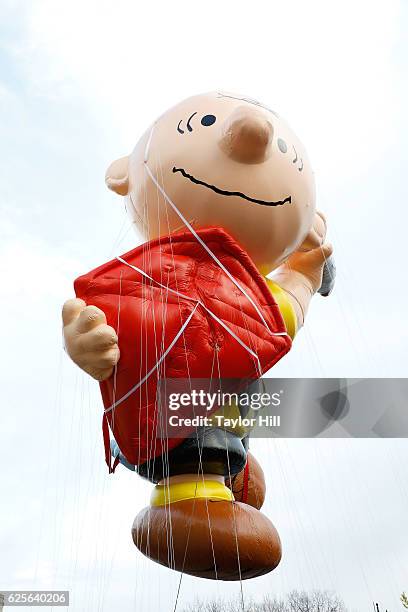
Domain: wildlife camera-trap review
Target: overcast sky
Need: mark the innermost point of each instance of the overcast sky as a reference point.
(79, 83)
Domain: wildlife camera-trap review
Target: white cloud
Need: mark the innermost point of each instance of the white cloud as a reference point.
(327, 67)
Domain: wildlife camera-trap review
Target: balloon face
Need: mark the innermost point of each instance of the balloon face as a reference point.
(225, 161)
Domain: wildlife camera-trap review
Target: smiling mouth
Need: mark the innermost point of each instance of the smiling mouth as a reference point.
(196, 181)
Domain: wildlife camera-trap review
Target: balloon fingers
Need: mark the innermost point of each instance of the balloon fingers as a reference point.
(71, 310)
(90, 317)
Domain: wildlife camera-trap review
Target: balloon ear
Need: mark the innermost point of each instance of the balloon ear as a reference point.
(117, 176)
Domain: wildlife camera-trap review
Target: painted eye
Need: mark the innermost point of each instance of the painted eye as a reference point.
(283, 147)
(208, 120)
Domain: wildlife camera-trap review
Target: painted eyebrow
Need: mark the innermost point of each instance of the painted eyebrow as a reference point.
(190, 129)
(254, 102)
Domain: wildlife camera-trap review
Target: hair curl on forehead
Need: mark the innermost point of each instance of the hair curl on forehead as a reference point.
(220, 94)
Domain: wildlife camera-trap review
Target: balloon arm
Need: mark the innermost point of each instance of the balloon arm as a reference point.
(301, 286)
(298, 289)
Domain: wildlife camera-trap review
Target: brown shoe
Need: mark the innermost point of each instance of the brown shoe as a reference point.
(208, 538)
(248, 486)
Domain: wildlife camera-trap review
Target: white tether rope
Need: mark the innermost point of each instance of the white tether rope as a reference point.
(197, 237)
(197, 303)
(181, 330)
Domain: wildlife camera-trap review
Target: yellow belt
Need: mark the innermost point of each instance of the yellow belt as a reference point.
(163, 495)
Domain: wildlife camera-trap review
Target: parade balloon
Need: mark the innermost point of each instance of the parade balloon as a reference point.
(223, 193)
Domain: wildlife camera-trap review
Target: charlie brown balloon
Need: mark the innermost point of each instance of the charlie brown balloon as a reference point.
(223, 193)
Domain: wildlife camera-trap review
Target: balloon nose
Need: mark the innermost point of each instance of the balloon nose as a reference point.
(247, 136)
